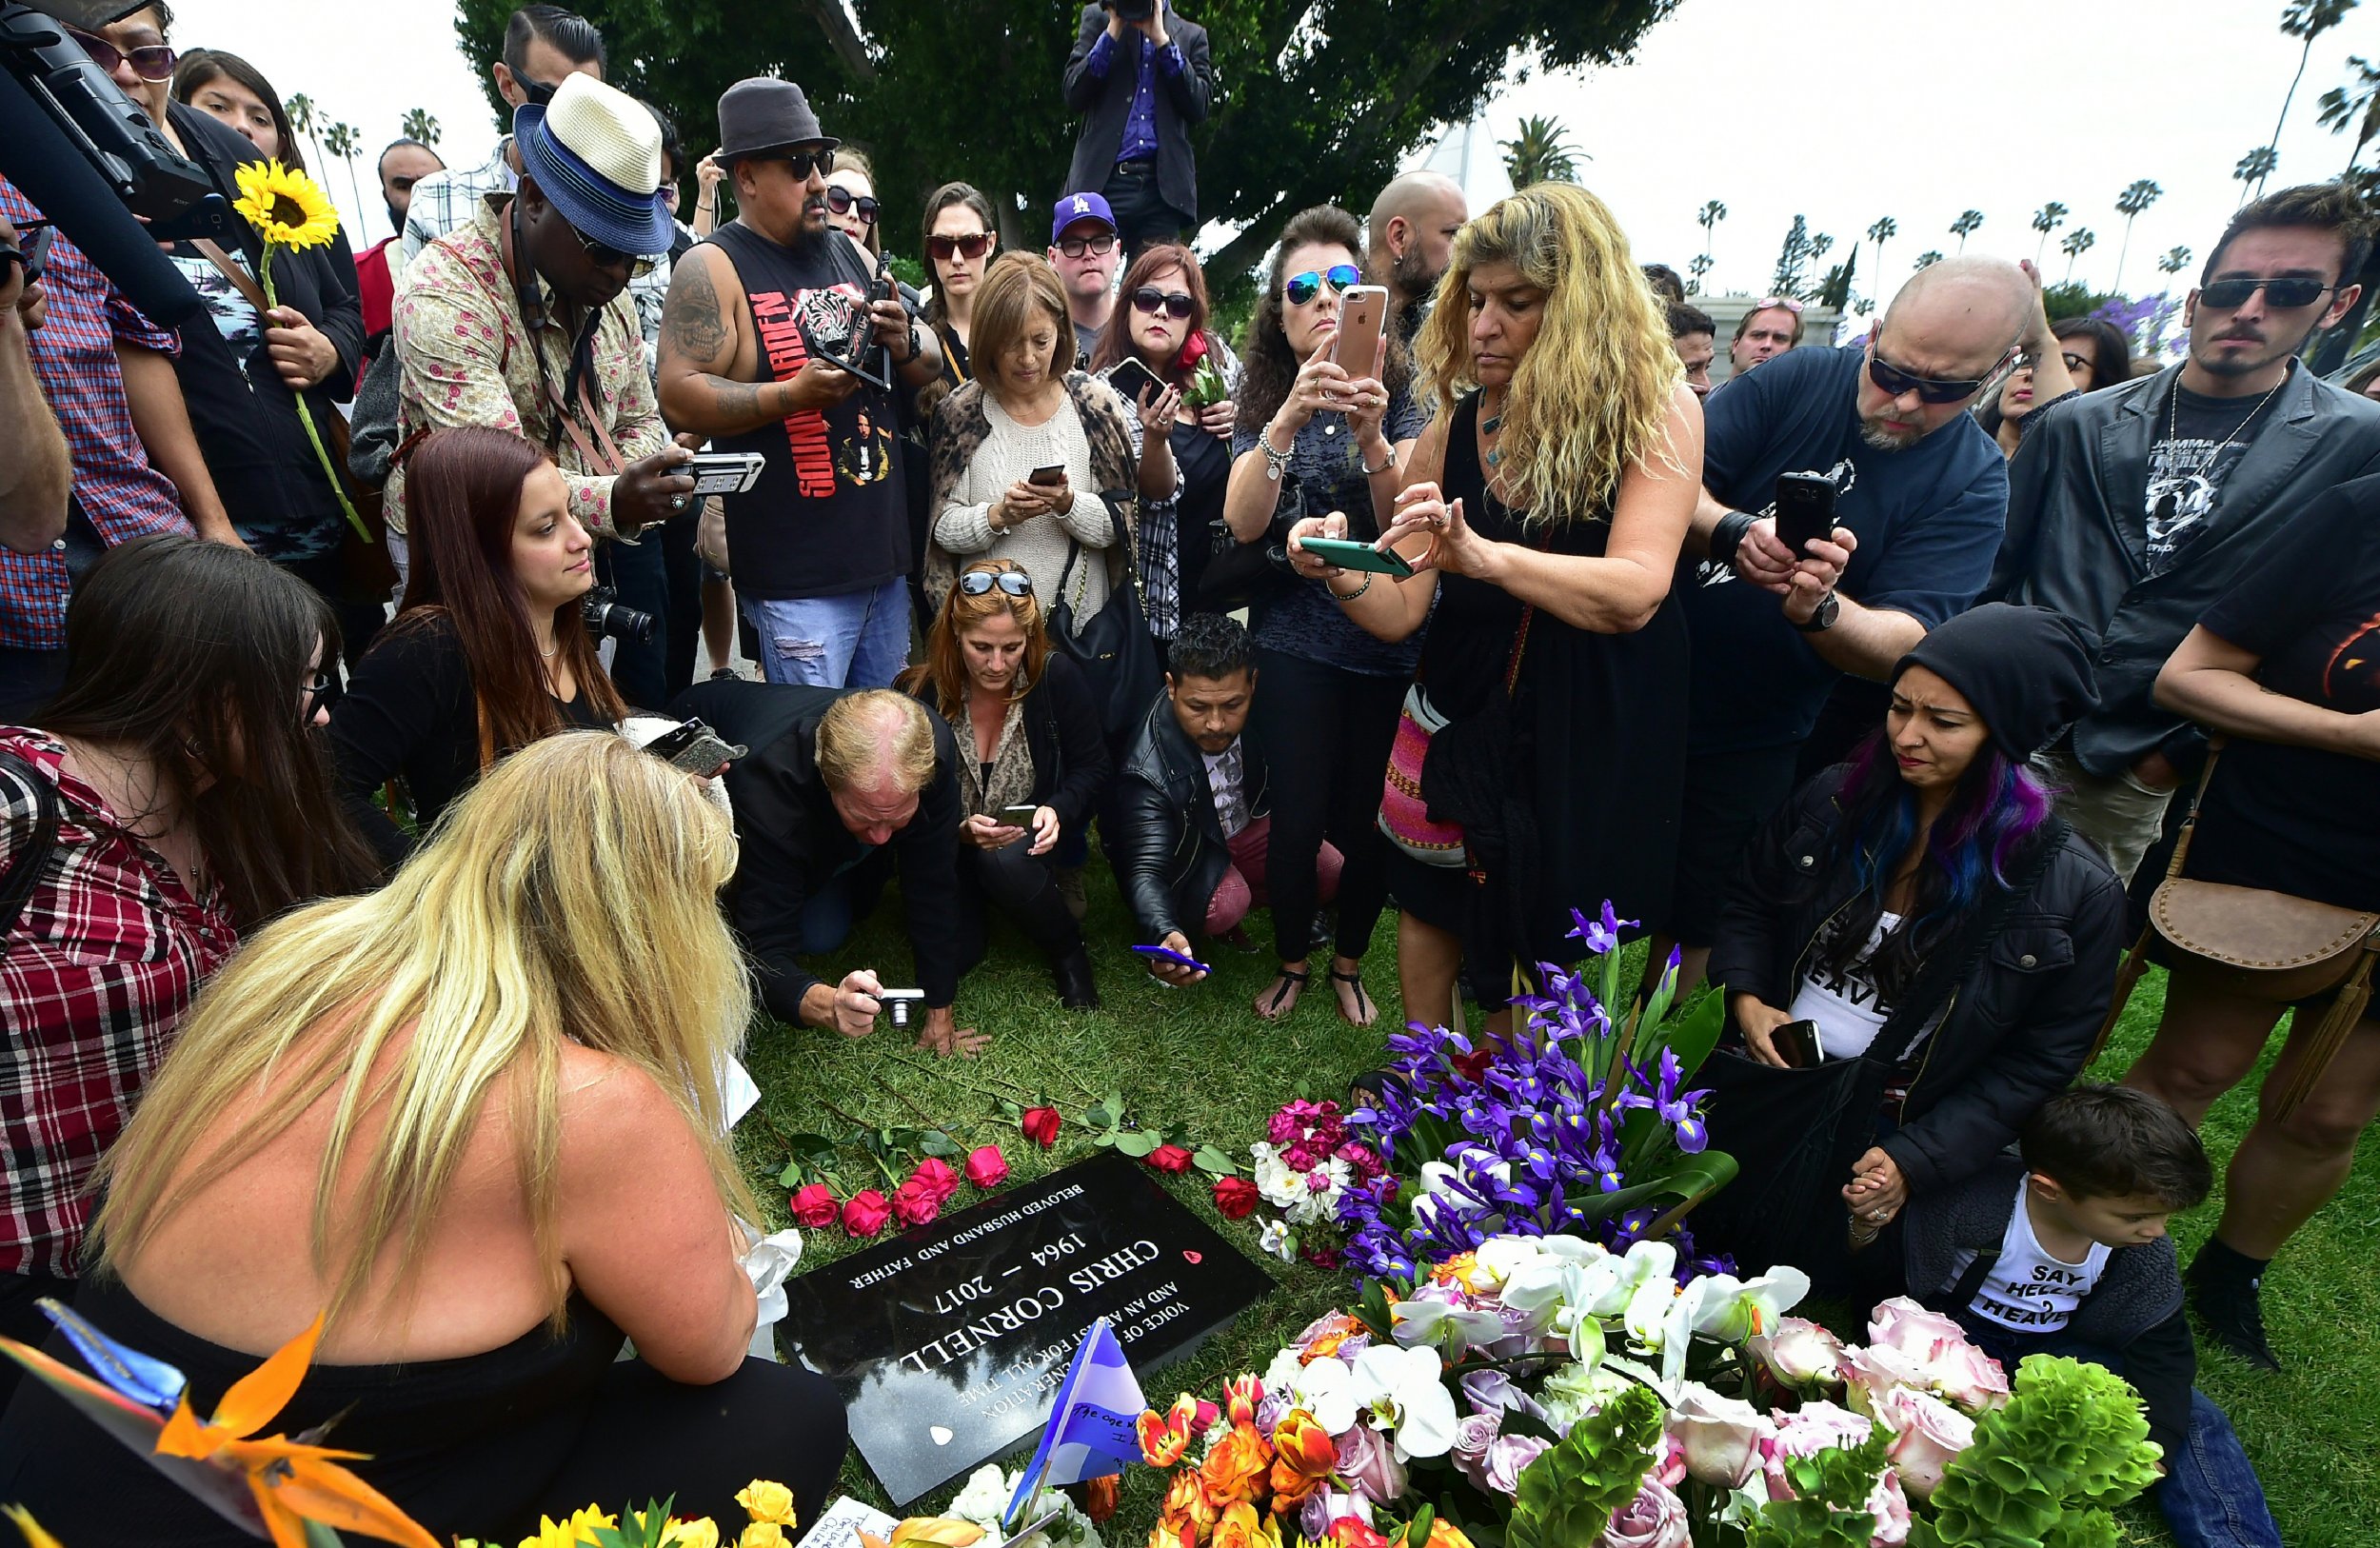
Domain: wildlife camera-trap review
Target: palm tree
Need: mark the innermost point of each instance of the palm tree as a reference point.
(420, 126)
(304, 117)
(1965, 226)
(343, 143)
(2307, 19)
(2355, 106)
(2175, 261)
(2129, 204)
(2045, 219)
(1539, 154)
(1927, 258)
(1882, 231)
(2253, 169)
(2078, 242)
(1708, 218)
(1698, 269)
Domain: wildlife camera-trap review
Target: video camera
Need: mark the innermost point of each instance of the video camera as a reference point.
(89, 159)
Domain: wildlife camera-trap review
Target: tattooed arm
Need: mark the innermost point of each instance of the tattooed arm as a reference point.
(704, 353)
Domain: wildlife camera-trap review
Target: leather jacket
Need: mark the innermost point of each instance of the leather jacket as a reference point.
(2017, 1028)
(1162, 833)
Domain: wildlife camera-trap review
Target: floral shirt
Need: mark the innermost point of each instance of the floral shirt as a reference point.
(467, 356)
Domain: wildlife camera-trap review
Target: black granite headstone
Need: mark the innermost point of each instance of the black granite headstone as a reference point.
(949, 1341)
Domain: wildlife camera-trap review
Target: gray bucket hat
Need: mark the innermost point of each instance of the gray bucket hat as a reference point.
(761, 112)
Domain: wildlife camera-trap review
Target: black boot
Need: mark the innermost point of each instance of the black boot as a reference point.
(1077, 989)
(2223, 1285)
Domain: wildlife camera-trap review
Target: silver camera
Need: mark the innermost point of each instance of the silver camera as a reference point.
(896, 1003)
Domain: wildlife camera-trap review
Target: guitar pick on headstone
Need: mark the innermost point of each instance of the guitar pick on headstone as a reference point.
(942, 1436)
(1194, 1257)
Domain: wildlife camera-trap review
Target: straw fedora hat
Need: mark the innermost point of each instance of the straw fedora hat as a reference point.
(596, 154)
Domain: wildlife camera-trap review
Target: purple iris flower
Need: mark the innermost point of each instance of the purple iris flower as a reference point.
(1602, 935)
(1672, 1107)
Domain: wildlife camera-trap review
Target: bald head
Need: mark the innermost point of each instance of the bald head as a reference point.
(1412, 232)
(1985, 300)
(1954, 322)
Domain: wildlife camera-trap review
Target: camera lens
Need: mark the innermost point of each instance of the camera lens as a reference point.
(607, 619)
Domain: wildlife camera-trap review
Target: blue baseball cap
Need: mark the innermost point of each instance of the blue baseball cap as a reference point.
(1077, 208)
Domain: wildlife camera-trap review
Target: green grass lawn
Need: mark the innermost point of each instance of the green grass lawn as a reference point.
(1198, 1064)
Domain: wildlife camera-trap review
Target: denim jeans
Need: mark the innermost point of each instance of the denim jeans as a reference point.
(853, 640)
(2210, 1496)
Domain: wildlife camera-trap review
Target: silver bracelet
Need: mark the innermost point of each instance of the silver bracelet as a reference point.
(1387, 466)
(1275, 463)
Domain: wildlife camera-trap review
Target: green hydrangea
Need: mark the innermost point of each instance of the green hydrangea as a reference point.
(2045, 1470)
(1830, 1509)
(1568, 1495)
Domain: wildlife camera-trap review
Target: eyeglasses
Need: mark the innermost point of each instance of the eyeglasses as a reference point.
(1786, 302)
(975, 245)
(32, 249)
(1301, 289)
(2075, 362)
(638, 265)
(977, 582)
(1152, 300)
(1898, 383)
(1075, 247)
(842, 202)
(2287, 296)
(317, 688)
(154, 63)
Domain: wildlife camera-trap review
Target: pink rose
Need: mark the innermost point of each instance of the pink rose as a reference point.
(865, 1213)
(1891, 1508)
(1669, 1464)
(813, 1206)
(1508, 1456)
(986, 1166)
(1968, 1378)
(1927, 1433)
(938, 1178)
(1473, 1434)
(1368, 1461)
(1806, 1431)
(1901, 1323)
(1720, 1436)
(916, 1201)
(1656, 1519)
(1871, 1372)
(1800, 1353)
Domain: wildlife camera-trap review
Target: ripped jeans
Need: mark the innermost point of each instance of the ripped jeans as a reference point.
(851, 640)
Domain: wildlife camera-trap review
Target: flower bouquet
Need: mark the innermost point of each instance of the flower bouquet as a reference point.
(1545, 1392)
(1303, 1168)
(1206, 386)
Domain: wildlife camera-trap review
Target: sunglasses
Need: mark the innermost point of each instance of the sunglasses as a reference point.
(977, 582)
(1896, 383)
(1301, 289)
(1152, 300)
(805, 164)
(1075, 247)
(842, 203)
(1786, 302)
(155, 63)
(317, 688)
(32, 249)
(637, 265)
(972, 246)
(2286, 294)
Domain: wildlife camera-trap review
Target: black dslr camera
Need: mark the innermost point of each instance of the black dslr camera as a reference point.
(610, 620)
(1131, 11)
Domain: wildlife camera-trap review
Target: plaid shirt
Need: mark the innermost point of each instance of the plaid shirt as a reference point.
(447, 199)
(467, 356)
(74, 355)
(98, 971)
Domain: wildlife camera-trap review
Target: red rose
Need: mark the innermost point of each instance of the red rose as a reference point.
(865, 1213)
(1170, 1159)
(814, 1205)
(986, 1166)
(1193, 351)
(1235, 1196)
(936, 1178)
(1041, 1125)
(916, 1201)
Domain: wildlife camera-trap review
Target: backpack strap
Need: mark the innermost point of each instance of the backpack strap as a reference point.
(25, 872)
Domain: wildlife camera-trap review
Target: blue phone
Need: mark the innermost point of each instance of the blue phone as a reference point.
(1173, 956)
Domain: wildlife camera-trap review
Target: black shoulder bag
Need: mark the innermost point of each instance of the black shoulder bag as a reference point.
(1113, 648)
(25, 872)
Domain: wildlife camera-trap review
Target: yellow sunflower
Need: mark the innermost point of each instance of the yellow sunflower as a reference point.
(284, 205)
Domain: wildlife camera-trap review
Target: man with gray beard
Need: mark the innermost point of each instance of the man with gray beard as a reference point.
(1921, 495)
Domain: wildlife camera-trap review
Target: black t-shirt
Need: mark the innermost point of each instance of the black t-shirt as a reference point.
(830, 513)
(2302, 819)
(2198, 443)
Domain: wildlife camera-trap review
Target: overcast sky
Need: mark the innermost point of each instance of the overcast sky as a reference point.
(1839, 109)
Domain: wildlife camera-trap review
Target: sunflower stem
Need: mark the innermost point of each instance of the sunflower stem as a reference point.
(305, 413)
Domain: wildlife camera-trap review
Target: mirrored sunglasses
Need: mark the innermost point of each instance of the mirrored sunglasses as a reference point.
(1301, 289)
(977, 583)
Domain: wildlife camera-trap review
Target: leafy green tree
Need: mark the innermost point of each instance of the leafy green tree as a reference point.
(2045, 219)
(1966, 225)
(2354, 107)
(2253, 169)
(1538, 154)
(2309, 20)
(1835, 291)
(1884, 230)
(306, 117)
(1317, 101)
(2078, 242)
(2175, 261)
(1785, 280)
(1927, 258)
(1708, 217)
(420, 126)
(2129, 204)
(344, 141)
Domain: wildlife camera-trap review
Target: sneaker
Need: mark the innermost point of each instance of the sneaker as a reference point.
(2230, 1306)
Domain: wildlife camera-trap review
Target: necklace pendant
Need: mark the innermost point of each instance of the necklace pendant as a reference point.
(1330, 428)
(1493, 457)
(1492, 425)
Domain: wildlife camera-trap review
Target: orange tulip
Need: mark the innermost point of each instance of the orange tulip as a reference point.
(1304, 1455)
(1241, 1397)
(1101, 1497)
(1235, 1469)
(1186, 1503)
(1240, 1527)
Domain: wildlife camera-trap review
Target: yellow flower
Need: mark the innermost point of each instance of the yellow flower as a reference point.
(940, 1531)
(35, 1536)
(577, 1527)
(700, 1533)
(767, 1501)
(284, 205)
(763, 1535)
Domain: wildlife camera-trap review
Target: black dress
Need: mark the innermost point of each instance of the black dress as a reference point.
(1568, 791)
(1204, 459)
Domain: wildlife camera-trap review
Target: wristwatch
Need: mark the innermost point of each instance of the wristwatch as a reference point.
(1830, 608)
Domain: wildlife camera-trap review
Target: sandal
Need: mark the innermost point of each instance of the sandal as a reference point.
(1270, 1007)
(1363, 1000)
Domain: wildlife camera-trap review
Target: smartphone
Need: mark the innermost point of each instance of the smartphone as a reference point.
(694, 747)
(1050, 477)
(1172, 956)
(1131, 378)
(1360, 556)
(725, 473)
(1363, 312)
(1796, 1043)
(1018, 816)
(1805, 509)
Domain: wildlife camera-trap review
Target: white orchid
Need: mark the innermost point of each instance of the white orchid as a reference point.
(1324, 1388)
(1733, 1310)
(1429, 1320)
(1405, 1394)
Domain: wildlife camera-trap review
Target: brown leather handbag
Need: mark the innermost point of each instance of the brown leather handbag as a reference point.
(2260, 945)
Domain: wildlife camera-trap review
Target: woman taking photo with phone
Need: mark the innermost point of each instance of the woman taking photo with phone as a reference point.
(490, 650)
(1184, 448)
(1033, 764)
(172, 799)
(1918, 919)
(1318, 434)
(1543, 516)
